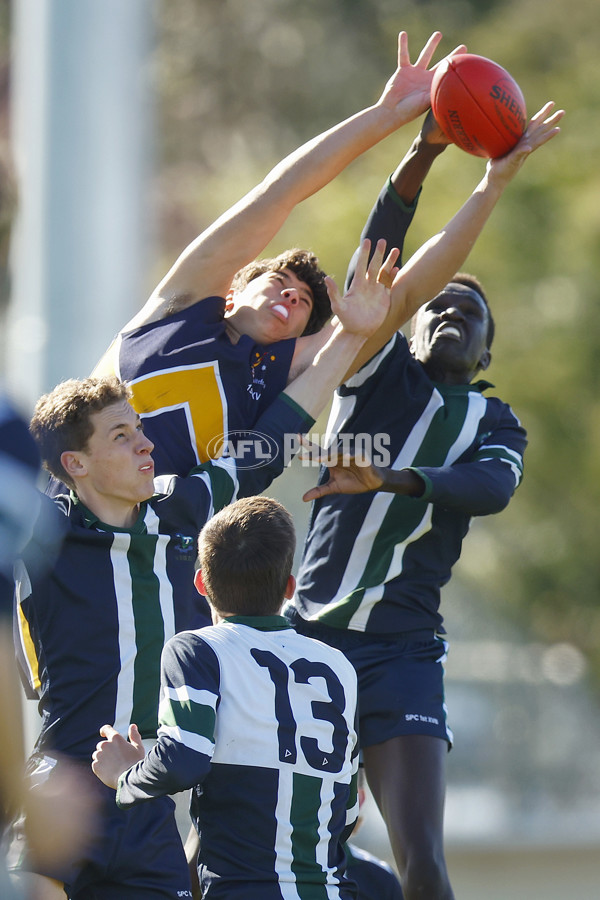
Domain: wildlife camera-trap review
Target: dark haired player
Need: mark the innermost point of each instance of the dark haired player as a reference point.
(223, 333)
(374, 564)
(257, 719)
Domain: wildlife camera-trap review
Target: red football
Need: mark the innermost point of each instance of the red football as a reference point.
(478, 105)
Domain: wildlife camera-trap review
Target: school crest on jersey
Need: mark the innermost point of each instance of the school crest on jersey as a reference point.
(185, 544)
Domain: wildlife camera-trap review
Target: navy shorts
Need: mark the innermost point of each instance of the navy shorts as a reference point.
(134, 854)
(400, 680)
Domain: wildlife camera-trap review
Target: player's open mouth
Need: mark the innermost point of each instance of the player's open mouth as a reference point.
(280, 310)
(147, 467)
(449, 331)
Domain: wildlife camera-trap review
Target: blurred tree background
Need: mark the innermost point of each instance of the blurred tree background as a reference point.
(240, 83)
(243, 82)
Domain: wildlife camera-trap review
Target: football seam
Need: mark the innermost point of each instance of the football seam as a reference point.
(482, 111)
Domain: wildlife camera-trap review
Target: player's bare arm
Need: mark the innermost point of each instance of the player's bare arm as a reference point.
(208, 264)
(414, 167)
(435, 263)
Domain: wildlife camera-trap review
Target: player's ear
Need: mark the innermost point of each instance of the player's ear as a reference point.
(72, 464)
(485, 359)
(290, 588)
(199, 582)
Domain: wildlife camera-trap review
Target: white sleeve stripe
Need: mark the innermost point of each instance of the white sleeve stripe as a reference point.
(188, 739)
(185, 692)
(230, 466)
(515, 468)
(203, 476)
(518, 473)
(512, 454)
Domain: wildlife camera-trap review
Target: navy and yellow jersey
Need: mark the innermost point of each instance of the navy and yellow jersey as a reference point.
(192, 386)
(260, 722)
(376, 880)
(19, 466)
(376, 562)
(92, 628)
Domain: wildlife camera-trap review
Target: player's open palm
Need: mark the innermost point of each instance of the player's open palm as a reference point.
(408, 91)
(365, 305)
(543, 126)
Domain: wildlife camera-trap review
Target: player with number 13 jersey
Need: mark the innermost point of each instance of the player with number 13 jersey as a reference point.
(256, 717)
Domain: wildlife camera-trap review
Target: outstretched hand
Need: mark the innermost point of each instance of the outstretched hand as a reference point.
(115, 755)
(366, 303)
(431, 133)
(543, 126)
(347, 474)
(407, 93)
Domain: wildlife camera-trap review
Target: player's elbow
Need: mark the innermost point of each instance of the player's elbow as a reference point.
(493, 502)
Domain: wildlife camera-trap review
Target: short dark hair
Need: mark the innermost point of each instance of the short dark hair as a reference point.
(246, 553)
(62, 418)
(471, 281)
(305, 265)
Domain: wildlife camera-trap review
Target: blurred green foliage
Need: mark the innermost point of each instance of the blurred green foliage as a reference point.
(243, 82)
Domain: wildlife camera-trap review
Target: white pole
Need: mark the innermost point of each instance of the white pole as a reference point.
(82, 150)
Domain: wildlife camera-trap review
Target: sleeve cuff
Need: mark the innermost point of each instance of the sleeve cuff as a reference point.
(118, 798)
(395, 197)
(304, 419)
(426, 495)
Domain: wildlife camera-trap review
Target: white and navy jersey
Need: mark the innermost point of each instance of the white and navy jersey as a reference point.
(92, 627)
(261, 722)
(375, 562)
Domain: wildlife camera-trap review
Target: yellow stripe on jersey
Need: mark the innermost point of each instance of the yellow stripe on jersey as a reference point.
(29, 651)
(198, 391)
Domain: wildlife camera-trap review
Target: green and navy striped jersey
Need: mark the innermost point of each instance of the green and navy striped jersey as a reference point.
(92, 626)
(376, 562)
(260, 721)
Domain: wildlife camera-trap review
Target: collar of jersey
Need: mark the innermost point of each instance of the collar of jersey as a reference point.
(480, 386)
(261, 623)
(91, 520)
